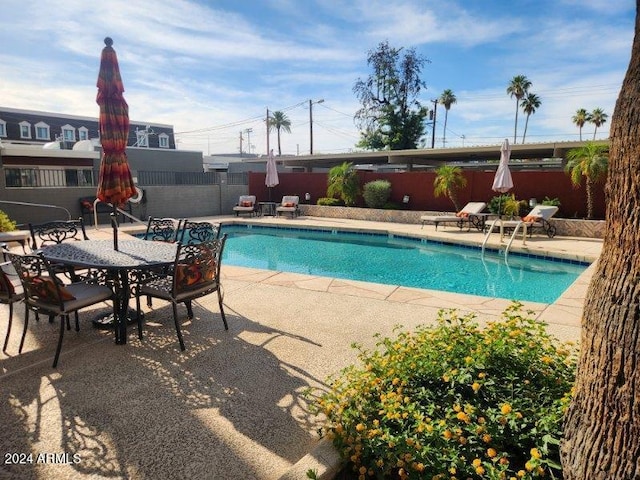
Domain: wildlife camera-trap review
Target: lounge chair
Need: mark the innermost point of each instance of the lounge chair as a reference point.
(536, 218)
(466, 215)
(289, 204)
(246, 204)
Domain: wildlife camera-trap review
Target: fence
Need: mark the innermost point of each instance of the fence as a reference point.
(19, 177)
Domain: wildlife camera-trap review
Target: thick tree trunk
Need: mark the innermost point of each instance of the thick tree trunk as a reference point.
(602, 430)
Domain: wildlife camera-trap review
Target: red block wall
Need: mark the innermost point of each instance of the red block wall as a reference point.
(419, 187)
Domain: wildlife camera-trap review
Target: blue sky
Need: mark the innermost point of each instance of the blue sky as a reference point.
(212, 68)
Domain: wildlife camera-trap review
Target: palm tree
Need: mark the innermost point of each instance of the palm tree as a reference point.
(529, 106)
(590, 162)
(279, 121)
(449, 180)
(518, 87)
(607, 380)
(447, 99)
(580, 118)
(343, 183)
(598, 118)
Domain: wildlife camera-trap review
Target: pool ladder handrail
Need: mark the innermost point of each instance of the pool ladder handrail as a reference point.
(126, 214)
(513, 236)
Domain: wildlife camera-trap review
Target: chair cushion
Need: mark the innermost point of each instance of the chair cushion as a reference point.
(189, 276)
(530, 218)
(289, 204)
(462, 214)
(246, 204)
(45, 289)
(87, 205)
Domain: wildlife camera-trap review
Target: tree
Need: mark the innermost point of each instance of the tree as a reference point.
(449, 180)
(518, 87)
(580, 118)
(530, 104)
(598, 118)
(279, 121)
(602, 426)
(447, 98)
(343, 183)
(391, 116)
(589, 162)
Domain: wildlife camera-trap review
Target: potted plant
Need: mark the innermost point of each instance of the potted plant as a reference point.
(6, 224)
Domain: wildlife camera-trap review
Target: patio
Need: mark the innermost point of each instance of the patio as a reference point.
(232, 405)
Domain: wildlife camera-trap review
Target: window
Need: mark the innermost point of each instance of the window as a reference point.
(48, 177)
(142, 138)
(68, 133)
(25, 130)
(83, 133)
(163, 139)
(42, 131)
(3, 128)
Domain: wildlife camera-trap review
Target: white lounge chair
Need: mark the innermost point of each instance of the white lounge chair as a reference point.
(466, 215)
(289, 204)
(246, 204)
(536, 218)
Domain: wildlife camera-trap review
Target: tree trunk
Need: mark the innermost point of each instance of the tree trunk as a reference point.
(515, 126)
(589, 188)
(602, 429)
(526, 125)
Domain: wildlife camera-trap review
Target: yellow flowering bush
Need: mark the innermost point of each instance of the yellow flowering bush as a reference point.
(454, 401)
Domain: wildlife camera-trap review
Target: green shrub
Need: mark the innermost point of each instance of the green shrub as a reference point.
(6, 224)
(454, 401)
(330, 202)
(551, 201)
(376, 193)
(507, 205)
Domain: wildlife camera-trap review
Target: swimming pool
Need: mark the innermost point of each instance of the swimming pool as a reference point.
(397, 260)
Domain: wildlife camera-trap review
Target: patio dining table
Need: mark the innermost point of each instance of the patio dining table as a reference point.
(133, 257)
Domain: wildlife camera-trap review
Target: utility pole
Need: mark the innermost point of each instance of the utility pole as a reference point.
(241, 142)
(433, 125)
(249, 130)
(268, 130)
(311, 124)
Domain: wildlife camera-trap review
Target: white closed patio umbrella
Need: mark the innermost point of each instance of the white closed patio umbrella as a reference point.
(502, 182)
(271, 178)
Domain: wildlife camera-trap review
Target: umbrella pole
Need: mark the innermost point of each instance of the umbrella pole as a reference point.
(114, 224)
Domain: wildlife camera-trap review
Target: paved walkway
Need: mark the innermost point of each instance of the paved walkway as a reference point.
(235, 404)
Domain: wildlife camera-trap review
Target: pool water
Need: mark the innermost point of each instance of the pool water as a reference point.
(399, 261)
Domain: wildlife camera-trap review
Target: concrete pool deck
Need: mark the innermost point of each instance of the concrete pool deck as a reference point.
(235, 403)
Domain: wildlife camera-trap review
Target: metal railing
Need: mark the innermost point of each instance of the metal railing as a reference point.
(41, 205)
(21, 177)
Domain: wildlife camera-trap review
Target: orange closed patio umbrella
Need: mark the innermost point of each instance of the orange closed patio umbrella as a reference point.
(115, 184)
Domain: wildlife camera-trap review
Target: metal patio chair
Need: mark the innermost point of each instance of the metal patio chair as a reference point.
(195, 273)
(11, 292)
(45, 293)
(198, 232)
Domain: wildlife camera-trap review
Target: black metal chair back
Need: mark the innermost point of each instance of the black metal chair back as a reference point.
(59, 231)
(198, 232)
(162, 229)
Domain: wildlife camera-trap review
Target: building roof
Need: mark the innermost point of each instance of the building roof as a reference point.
(438, 156)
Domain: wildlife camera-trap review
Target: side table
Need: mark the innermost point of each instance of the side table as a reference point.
(267, 209)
